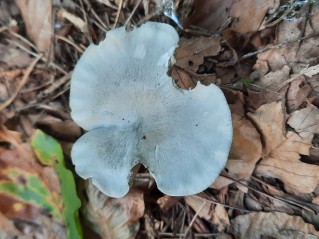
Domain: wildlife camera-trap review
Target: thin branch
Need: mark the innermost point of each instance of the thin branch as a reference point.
(21, 84)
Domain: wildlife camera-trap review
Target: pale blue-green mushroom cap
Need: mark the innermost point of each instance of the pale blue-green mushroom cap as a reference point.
(133, 112)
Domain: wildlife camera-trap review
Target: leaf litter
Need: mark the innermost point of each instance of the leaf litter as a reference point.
(262, 54)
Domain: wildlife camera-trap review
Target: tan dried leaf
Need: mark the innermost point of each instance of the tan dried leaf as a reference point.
(269, 84)
(310, 71)
(245, 151)
(305, 120)
(190, 53)
(250, 14)
(281, 151)
(37, 18)
(258, 225)
(298, 91)
(114, 218)
(218, 14)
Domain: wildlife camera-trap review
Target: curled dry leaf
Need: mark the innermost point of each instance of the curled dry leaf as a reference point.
(305, 120)
(37, 19)
(202, 59)
(281, 151)
(189, 56)
(114, 218)
(258, 225)
(245, 151)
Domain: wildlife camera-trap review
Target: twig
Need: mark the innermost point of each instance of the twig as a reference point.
(21, 84)
(86, 21)
(267, 195)
(194, 218)
(219, 203)
(2, 29)
(251, 54)
(118, 14)
(183, 235)
(36, 55)
(24, 40)
(72, 43)
(133, 11)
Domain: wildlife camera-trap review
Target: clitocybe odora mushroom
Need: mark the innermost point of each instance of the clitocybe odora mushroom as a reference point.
(121, 94)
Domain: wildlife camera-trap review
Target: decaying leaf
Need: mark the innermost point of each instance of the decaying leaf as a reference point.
(29, 192)
(258, 225)
(37, 18)
(113, 218)
(305, 120)
(245, 151)
(281, 151)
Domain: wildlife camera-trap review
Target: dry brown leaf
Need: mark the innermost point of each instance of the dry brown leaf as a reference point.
(249, 14)
(245, 151)
(190, 53)
(113, 217)
(37, 19)
(254, 99)
(297, 93)
(269, 84)
(258, 225)
(191, 65)
(295, 55)
(216, 214)
(244, 15)
(281, 151)
(235, 100)
(305, 120)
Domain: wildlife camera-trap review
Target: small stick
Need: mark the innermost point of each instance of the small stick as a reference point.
(21, 84)
(132, 13)
(194, 218)
(118, 14)
(248, 55)
(69, 41)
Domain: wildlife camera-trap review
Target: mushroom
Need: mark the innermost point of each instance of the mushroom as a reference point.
(134, 113)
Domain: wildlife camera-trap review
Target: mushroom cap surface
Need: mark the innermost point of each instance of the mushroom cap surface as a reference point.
(133, 112)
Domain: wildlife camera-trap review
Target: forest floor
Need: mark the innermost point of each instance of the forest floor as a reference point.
(263, 54)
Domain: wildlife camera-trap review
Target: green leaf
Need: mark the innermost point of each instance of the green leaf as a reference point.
(32, 191)
(246, 82)
(49, 152)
